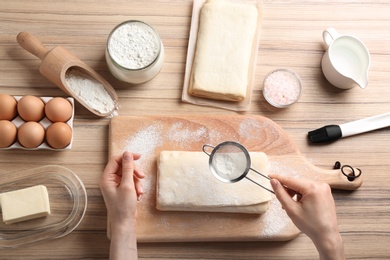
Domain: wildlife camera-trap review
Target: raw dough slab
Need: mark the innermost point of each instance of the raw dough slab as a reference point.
(243, 105)
(223, 51)
(185, 183)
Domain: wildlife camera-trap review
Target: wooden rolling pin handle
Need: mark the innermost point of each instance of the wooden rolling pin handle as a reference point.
(32, 44)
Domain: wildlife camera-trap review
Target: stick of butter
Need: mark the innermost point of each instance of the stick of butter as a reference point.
(25, 204)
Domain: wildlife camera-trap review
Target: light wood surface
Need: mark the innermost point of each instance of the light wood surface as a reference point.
(290, 37)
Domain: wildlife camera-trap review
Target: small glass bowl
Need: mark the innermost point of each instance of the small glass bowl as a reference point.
(282, 88)
(68, 203)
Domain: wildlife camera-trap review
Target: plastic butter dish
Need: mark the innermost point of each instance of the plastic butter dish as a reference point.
(68, 203)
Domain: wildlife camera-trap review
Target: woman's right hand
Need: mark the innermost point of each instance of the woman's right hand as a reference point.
(314, 213)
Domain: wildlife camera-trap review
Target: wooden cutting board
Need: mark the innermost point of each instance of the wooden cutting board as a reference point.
(149, 135)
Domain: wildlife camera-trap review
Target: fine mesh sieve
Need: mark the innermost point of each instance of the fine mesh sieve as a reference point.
(230, 162)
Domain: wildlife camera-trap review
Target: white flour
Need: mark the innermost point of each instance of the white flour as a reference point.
(183, 136)
(225, 167)
(249, 128)
(280, 167)
(145, 141)
(91, 91)
(134, 45)
(275, 220)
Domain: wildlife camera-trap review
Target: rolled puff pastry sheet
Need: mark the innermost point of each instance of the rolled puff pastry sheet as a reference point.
(222, 58)
(185, 183)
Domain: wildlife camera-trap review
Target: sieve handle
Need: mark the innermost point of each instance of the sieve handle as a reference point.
(265, 176)
(207, 146)
(260, 185)
(299, 196)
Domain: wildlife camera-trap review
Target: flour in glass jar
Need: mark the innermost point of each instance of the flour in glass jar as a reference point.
(134, 45)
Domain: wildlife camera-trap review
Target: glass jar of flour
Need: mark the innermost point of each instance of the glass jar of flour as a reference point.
(135, 52)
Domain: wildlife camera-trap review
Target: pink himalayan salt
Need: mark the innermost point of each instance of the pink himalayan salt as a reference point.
(282, 88)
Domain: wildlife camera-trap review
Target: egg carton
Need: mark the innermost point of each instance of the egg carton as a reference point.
(45, 122)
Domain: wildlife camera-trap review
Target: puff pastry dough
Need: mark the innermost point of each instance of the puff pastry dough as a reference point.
(185, 183)
(223, 50)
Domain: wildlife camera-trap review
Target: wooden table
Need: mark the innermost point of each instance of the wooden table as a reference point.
(291, 37)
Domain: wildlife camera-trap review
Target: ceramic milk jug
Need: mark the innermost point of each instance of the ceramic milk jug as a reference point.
(346, 60)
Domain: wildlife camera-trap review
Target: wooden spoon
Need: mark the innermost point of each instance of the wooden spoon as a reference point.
(55, 64)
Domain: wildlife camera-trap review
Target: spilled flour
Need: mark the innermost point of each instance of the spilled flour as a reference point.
(283, 168)
(275, 220)
(259, 132)
(249, 128)
(181, 134)
(145, 142)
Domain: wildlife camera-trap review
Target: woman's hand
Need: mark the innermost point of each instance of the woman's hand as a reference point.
(314, 213)
(121, 187)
